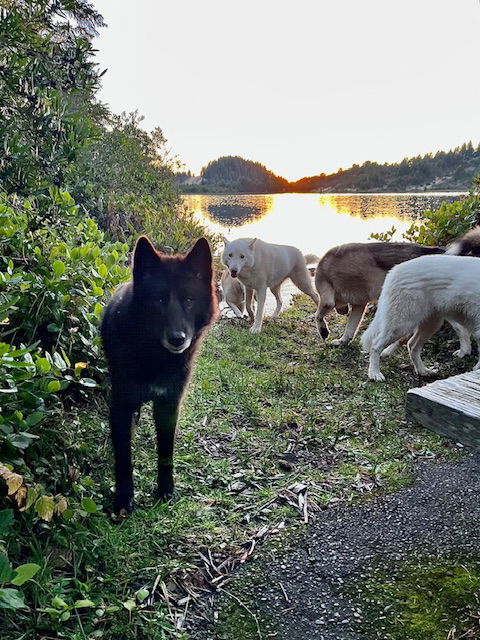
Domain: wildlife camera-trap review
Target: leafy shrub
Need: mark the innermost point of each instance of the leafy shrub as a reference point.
(56, 270)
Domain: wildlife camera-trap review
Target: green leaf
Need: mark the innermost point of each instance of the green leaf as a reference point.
(6, 519)
(34, 418)
(89, 505)
(43, 365)
(80, 604)
(87, 382)
(11, 599)
(59, 362)
(141, 594)
(129, 605)
(65, 616)
(112, 608)
(6, 572)
(53, 386)
(97, 291)
(25, 572)
(59, 603)
(44, 507)
(58, 267)
(102, 270)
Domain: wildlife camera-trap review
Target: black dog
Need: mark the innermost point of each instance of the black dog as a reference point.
(151, 331)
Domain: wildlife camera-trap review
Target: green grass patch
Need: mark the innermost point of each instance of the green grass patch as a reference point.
(429, 600)
(275, 427)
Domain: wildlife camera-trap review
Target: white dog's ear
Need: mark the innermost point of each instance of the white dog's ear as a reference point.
(250, 246)
(225, 240)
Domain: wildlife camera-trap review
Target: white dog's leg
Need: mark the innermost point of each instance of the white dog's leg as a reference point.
(465, 340)
(235, 309)
(392, 348)
(278, 298)
(354, 320)
(248, 303)
(374, 372)
(416, 342)
(257, 325)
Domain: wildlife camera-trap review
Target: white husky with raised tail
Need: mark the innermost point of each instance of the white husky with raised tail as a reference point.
(417, 296)
(260, 266)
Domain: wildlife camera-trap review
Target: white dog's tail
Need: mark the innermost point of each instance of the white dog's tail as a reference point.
(468, 244)
(311, 258)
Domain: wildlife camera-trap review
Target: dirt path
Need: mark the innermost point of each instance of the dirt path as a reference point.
(298, 595)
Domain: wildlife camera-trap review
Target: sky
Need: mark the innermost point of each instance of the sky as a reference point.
(305, 86)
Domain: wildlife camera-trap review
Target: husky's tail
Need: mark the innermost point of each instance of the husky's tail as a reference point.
(311, 258)
(466, 245)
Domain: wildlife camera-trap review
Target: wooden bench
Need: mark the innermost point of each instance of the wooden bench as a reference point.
(450, 407)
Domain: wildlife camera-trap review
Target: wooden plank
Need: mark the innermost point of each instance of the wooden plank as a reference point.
(450, 407)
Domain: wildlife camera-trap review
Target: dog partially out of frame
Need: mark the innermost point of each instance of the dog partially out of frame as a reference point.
(353, 274)
(260, 266)
(233, 292)
(416, 298)
(151, 331)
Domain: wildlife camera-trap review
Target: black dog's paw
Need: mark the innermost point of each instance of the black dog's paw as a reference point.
(165, 494)
(122, 506)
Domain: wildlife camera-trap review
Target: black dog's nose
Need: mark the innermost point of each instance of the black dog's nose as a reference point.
(177, 338)
(233, 273)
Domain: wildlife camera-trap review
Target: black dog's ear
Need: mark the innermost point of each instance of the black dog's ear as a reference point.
(199, 259)
(145, 258)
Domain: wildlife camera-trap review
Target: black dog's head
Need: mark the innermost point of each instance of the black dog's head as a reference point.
(175, 293)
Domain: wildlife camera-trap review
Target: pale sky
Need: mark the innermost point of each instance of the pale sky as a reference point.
(303, 86)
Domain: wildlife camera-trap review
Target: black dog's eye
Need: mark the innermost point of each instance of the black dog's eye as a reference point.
(230, 255)
(188, 301)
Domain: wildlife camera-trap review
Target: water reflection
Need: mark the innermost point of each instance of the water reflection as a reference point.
(312, 222)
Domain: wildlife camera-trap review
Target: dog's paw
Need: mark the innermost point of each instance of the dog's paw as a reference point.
(377, 376)
(165, 496)
(339, 343)
(461, 353)
(426, 371)
(255, 329)
(122, 507)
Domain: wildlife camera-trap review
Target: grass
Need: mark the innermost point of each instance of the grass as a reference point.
(276, 427)
(425, 600)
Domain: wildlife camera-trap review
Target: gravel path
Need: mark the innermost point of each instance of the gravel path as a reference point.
(438, 514)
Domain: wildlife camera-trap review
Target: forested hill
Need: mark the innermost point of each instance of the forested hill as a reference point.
(234, 174)
(445, 170)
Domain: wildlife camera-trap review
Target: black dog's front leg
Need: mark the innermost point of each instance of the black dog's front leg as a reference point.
(121, 417)
(165, 413)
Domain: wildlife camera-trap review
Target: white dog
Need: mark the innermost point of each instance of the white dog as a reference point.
(260, 265)
(417, 296)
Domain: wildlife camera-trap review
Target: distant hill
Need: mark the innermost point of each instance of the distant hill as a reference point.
(443, 171)
(233, 174)
(451, 170)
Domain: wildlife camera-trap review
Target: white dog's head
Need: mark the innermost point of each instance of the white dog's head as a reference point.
(238, 254)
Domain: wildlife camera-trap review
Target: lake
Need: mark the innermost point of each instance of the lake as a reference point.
(312, 222)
